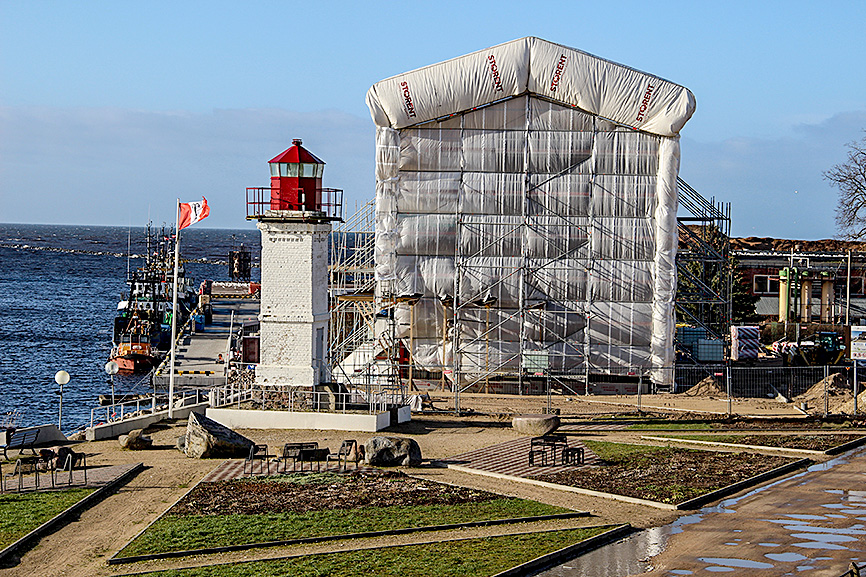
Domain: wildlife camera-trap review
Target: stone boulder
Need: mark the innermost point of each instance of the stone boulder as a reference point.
(392, 451)
(535, 425)
(63, 454)
(136, 440)
(205, 438)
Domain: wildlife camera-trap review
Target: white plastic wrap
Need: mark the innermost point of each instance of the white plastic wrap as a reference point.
(531, 208)
(574, 78)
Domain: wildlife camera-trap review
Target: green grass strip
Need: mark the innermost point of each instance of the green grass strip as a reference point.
(20, 513)
(179, 533)
(465, 558)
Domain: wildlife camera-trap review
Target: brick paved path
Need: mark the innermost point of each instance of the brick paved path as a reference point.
(512, 458)
(234, 469)
(96, 477)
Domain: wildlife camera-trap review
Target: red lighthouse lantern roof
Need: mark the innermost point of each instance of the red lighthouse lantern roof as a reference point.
(296, 154)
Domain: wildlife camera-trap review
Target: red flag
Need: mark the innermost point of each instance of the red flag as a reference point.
(192, 212)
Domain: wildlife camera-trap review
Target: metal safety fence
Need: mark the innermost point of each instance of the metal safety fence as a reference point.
(736, 390)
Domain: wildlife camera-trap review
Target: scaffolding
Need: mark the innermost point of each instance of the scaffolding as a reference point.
(703, 263)
(362, 350)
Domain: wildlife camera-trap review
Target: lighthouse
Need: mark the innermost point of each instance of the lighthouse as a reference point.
(294, 216)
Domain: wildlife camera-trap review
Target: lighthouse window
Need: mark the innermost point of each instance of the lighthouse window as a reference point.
(275, 169)
(289, 169)
(309, 170)
(320, 170)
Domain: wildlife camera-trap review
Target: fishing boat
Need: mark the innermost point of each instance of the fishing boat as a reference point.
(142, 326)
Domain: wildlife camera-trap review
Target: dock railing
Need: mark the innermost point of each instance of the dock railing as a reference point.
(143, 406)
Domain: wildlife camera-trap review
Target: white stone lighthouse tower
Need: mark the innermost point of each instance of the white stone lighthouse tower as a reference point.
(294, 215)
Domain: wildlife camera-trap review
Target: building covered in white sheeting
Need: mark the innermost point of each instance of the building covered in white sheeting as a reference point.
(526, 201)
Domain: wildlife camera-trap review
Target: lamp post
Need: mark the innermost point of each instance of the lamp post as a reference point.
(111, 368)
(61, 378)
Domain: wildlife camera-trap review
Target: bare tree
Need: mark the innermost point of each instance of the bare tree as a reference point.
(850, 178)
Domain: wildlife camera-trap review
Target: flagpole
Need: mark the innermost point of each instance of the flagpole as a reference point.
(174, 311)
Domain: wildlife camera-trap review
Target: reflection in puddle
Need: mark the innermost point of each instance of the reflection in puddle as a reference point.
(633, 555)
(786, 557)
(734, 562)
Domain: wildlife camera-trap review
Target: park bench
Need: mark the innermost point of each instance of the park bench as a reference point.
(258, 453)
(21, 440)
(342, 455)
(538, 447)
(292, 452)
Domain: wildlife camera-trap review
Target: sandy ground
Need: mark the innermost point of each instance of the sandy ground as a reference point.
(82, 547)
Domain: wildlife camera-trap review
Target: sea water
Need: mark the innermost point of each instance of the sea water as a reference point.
(59, 289)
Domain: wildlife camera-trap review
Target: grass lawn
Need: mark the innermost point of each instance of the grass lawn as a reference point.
(20, 513)
(466, 558)
(252, 511)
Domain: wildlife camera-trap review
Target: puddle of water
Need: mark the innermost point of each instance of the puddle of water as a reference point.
(632, 555)
(824, 537)
(831, 530)
(814, 545)
(786, 557)
(734, 562)
(731, 543)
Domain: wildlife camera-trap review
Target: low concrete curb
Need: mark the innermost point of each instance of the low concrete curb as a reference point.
(573, 550)
(846, 446)
(64, 516)
(566, 553)
(326, 538)
(740, 485)
(111, 560)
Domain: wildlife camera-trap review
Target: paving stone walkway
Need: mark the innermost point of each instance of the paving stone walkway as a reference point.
(512, 458)
(234, 469)
(95, 477)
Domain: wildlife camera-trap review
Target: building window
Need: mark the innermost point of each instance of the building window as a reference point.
(765, 284)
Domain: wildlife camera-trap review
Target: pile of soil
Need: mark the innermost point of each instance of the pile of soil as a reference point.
(847, 407)
(302, 492)
(837, 390)
(669, 475)
(709, 387)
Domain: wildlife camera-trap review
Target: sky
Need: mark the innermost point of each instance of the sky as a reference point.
(109, 110)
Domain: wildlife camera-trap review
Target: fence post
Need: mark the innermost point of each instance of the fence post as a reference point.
(639, 388)
(856, 388)
(826, 391)
(728, 379)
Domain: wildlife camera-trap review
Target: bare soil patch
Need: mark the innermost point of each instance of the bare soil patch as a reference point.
(809, 442)
(303, 492)
(668, 475)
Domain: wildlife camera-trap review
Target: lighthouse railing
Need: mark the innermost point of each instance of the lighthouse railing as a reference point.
(261, 203)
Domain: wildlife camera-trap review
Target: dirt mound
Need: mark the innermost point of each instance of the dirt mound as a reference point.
(709, 387)
(847, 407)
(837, 390)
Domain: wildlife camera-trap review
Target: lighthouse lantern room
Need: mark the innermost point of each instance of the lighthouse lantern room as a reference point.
(294, 215)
